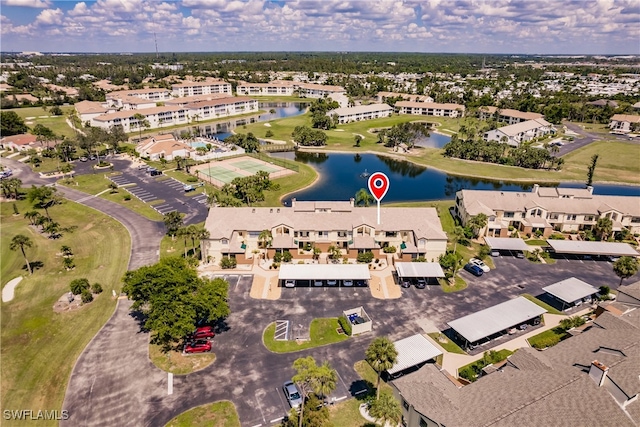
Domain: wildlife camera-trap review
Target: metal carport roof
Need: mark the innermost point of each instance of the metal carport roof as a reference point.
(324, 271)
(412, 351)
(419, 269)
(506, 243)
(495, 319)
(570, 290)
(592, 248)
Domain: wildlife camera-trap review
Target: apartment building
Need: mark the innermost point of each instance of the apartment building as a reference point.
(137, 98)
(624, 123)
(383, 96)
(89, 110)
(506, 115)
(313, 90)
(171, 115)
(235, 232)
(163, 146)
(546, 209)
(430, 109)
(274, 88)
(361, 112)
(588, 379)
(200, 88)
(521, 132)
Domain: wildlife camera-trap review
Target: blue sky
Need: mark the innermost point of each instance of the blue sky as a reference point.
(474, 26)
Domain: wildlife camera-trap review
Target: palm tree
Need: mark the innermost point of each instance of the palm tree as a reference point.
(66, 251)
(306, 369)
(381, 355)
(625, 267)
(141, 122)
(604, 227)
(386, 409)
(456, 235)
(203, 234)
(478, 222)
(31, 216)
(363, 197)
(265, 238)
(43, 197)
(325, 380)
(21, 241)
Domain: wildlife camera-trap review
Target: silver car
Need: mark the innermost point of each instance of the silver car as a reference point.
(292, 394)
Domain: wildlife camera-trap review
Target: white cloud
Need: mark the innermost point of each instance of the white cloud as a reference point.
(49, 17)
(36, 4)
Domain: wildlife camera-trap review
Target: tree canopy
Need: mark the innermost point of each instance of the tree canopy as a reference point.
(381, 355)
(306, 136)
(625, 267)
(11, 124)
(248, 142)
(173, 298)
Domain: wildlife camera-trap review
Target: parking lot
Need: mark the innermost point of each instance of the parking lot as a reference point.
(162, 193)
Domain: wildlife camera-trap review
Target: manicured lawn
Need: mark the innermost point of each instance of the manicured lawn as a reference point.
(617, 161)
(177, 363)
(548, 338)
(322, 332)
(542, 304)
(459, 285)
(536, 242)
(175, 246)
(40, 347)
(475, 367)
(219, 414)
(448, 345)
(305, 176)
(56, 123)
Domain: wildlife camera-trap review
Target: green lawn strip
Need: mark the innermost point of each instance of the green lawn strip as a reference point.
(57, 124)
(548, 338)
(459, 285)
(218, 414)
(467, 371)
(305, 176)
(47, 164)
(175, 246)
(448, 345)
(536, 242)
(178, 363)
(544, 305)
(39, 347)
(322, 332)
(134, 204)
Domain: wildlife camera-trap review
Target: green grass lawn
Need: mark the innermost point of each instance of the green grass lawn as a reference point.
(548, 338)
(177, 363)
(96, 183)
(542, 304)
(617, 162)
(176, 246)
(448, 345)
(305, 176)
(479, 364)
(322, 332)
(56, 123)
(40, 347)
(218, 414)
(536, 242)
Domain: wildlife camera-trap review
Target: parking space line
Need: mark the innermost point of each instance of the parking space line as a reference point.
(276, 420)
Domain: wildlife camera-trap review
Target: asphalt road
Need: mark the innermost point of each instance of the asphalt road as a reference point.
(583, 138)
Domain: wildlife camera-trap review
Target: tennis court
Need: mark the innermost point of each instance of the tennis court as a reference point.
(221, 174)
(253, 167)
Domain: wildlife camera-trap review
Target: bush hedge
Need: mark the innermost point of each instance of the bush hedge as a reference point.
(365, 257)
(345, 324)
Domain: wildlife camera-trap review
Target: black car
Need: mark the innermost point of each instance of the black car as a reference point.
(421, 283)
(474, 269)
(405, 283)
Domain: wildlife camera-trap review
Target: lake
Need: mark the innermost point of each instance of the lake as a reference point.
(343, 174)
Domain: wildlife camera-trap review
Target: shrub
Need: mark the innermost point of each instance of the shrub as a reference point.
(127, 197)
(389, 250)
(87, 297)
(277, 257)
(79, 285)
(463, 241)
(545, 342)
(345, 324)
(572, 322)
(365, 257)
(420, 259)
(228, 262)
(468, 373)
(268, 134)
(555, 236)
(377, 260)
(96, 288)
(192, 179)
(484, 251)
(286, 256)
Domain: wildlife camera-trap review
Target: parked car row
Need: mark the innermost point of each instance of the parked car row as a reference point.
(200, 340)
(418, 282)
(477, 267)
(318, 283)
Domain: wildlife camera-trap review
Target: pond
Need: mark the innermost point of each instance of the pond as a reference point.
(342, 175)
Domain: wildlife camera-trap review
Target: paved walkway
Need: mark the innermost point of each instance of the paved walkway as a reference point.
(8, 291)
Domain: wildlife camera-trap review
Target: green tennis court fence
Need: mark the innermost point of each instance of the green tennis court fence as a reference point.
(287, 164)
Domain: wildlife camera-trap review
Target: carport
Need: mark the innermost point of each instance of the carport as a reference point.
(413, 352)
(592, 248)
(495, 321)
(309, 272)
(571, 292)
(506, 244)
(418, 269)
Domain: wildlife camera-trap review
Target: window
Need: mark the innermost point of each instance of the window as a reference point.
(588, 217)
(342, 234)
(323, 234)
(509, 214)
(254, 234)
(391, 234)
(571, 217)
(304, 234)
(635, 219)
(553, 215)
(224, 241)
(405, 404)
(423, 423)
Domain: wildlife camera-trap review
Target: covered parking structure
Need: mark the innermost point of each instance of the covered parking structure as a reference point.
(574, 247)
(493, 322)
(338, 273)
(412, 270)
(413, 353)
(506, 244)
(571, 292)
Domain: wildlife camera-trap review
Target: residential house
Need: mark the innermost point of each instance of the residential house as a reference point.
(629, 294)
(588, 379)
(361, 112)
(163, 147)
(235, 232)
(71, 92)
(21, 142)
(604, 103)
(546, 209)
(507, 115)
(521, 132)
(430, 109)
(624, 123)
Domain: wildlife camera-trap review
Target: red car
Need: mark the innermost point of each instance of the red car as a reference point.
(203, 332)
(197, 347)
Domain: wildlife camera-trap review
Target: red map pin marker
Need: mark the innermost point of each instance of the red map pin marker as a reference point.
(378, 185)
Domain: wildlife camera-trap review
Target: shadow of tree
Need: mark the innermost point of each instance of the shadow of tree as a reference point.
(35, 265)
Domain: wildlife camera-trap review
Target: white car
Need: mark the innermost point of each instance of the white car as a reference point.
(347, 283)
(479, 263)
(289, 283)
